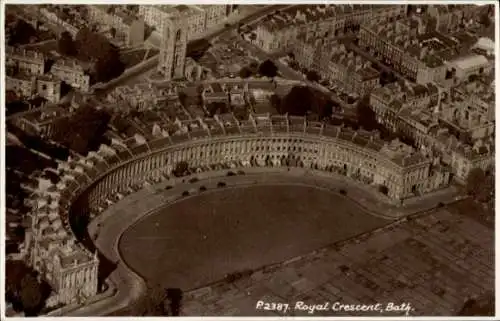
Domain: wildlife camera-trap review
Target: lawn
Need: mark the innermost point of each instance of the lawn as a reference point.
(199, 240)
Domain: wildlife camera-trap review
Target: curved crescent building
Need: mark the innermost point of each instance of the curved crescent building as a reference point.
(89, 184)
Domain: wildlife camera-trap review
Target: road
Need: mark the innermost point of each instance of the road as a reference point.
(259, 14)
(231, 25)
(209, 35)
(35, 46)
(34, 11)
(290, 73)
(115, 220)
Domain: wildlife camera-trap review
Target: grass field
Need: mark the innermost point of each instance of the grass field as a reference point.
(199, 240)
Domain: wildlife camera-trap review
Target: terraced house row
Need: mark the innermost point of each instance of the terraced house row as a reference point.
(279, 32)
(88, 184)
(416, 50)
(438, 119)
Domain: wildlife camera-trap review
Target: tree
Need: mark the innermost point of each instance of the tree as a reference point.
(109, 67)
(366, 116)
(22, 33)
(132, 7)
(322, 105)
(65, 44)
(216, 107)
(487, 189)
(302, 99)
(153, 304)
(87, 44)
(268, 69)
(484, 19)
(112, 32)
(254, 67)
(241, 113)
(472, 77)
(15, 271)
(312, 75)
(94, 47)
(82, 131)
(197, 48)
(294, 65)
(475, 179)
(386, 78)
(297, 102)
(275, 101)
(31, 295)
(174, 297)
(483, 305)
(182, 97)
(245, 72)
(465, 138)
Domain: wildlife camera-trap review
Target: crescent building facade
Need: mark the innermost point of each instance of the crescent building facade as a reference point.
(90, 184)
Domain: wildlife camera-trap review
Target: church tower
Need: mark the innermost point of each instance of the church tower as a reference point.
(172, 57)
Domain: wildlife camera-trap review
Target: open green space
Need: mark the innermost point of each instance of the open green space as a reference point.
(202, 239)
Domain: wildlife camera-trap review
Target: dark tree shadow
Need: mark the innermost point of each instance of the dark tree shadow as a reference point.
(174, 296)
(65, 88)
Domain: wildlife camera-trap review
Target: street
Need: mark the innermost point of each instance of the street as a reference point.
(289, 73)
(247, 18)
(34, 11)
(154, 40)
(209, 35)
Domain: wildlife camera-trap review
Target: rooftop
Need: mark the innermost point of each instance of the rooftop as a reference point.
(306, 14)
(75, 258)
(471, 61)
(178, 10)
(68, 64)
(432, 48)
(19, 53)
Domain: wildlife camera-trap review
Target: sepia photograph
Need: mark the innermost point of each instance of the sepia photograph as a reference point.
(244, 159)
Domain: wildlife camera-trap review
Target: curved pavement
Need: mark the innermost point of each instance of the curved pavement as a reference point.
(118, 217)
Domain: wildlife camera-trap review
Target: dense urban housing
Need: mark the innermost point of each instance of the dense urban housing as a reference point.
(249, 160)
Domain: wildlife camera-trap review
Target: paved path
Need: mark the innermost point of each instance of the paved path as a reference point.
(124, 213)
(34, 11)
(114, 221)
(237, 80)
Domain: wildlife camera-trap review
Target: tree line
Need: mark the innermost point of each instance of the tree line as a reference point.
(24, 289)
(92, 47)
